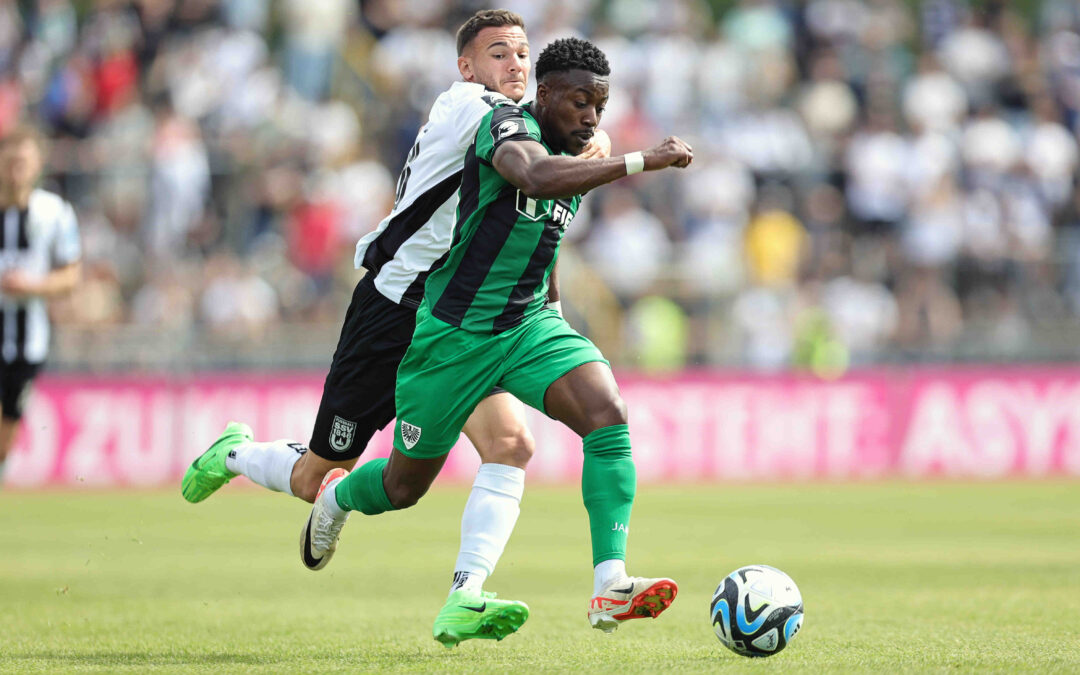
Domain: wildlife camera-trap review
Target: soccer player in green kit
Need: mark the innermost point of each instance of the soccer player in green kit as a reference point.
(484, 322)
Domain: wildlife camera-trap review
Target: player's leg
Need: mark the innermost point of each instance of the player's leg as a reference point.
(8, 428)
(357, 401)
(587, 400)
(378, 486)
(283, 465)
(15, 384)
(391, 484)
(565, 376)
(498, 432)
(445, 373)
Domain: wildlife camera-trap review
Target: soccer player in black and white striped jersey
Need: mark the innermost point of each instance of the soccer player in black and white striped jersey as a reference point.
(39, 259)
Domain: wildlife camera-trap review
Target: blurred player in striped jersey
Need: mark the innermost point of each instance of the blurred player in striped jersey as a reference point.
(39, 259)
(358, 396)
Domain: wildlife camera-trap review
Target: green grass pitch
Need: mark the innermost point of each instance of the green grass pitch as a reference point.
(936, 577)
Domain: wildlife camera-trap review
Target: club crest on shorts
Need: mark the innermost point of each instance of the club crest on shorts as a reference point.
(341, 434)
(410, 434)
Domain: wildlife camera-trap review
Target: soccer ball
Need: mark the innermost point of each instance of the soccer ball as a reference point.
(756, 610)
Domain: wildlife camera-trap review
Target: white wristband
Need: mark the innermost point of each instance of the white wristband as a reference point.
(635, 163)
(555, 305)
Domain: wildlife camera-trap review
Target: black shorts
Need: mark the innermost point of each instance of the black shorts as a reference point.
(15, 379)
(358, 396)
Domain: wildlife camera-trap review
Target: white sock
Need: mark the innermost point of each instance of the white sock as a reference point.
(489, 518)
(268, 464)
(330, 499)
(607, 572)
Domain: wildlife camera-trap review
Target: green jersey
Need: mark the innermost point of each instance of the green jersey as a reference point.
(495, 274)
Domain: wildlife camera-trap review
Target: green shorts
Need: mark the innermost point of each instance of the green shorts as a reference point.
(447, 371)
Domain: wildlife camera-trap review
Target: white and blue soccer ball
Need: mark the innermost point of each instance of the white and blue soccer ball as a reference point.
(756, 610)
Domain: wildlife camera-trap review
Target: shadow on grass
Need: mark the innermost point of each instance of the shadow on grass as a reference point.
(371, 658)
(383, 658)
(129, 658)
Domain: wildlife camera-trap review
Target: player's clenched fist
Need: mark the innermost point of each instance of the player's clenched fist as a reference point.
(673, 151)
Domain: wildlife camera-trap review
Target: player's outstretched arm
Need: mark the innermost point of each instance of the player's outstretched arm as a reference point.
(528, 166)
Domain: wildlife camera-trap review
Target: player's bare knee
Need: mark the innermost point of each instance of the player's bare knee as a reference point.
(513, 448)
(613, 412)
(621, 411)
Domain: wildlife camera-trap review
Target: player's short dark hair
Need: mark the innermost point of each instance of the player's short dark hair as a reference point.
(571, 54)
(485, 18)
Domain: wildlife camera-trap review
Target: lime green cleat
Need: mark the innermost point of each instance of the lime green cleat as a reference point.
(208, 472)
(468, 614)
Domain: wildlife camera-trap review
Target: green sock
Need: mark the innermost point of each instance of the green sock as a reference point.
(608, 484)
(363, 491)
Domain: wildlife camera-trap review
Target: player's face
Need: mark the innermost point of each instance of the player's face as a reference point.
(498, 58)
(20, 164)
(573, 104)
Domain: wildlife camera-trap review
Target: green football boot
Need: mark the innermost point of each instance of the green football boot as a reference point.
(468, 614)
(208, 472)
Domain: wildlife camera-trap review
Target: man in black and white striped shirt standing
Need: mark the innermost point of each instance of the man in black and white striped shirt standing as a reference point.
(39, 259)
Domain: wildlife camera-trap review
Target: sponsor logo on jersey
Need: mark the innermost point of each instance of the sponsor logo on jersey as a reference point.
(558, 210)
(341, 434)
(561, 214)
(410, 434)
(509, 128)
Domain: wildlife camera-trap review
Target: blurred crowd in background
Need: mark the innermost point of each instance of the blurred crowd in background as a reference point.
(874, 182)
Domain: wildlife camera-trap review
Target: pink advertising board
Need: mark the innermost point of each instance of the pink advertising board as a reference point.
(964, 423)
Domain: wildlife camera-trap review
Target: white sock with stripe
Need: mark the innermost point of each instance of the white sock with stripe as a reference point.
(268, 464)
(487, 522)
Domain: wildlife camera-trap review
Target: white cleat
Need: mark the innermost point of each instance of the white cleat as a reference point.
(631, 598)
(318, 539)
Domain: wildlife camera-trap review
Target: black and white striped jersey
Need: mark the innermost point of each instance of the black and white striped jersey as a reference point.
(35, 240)
(401, 251)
